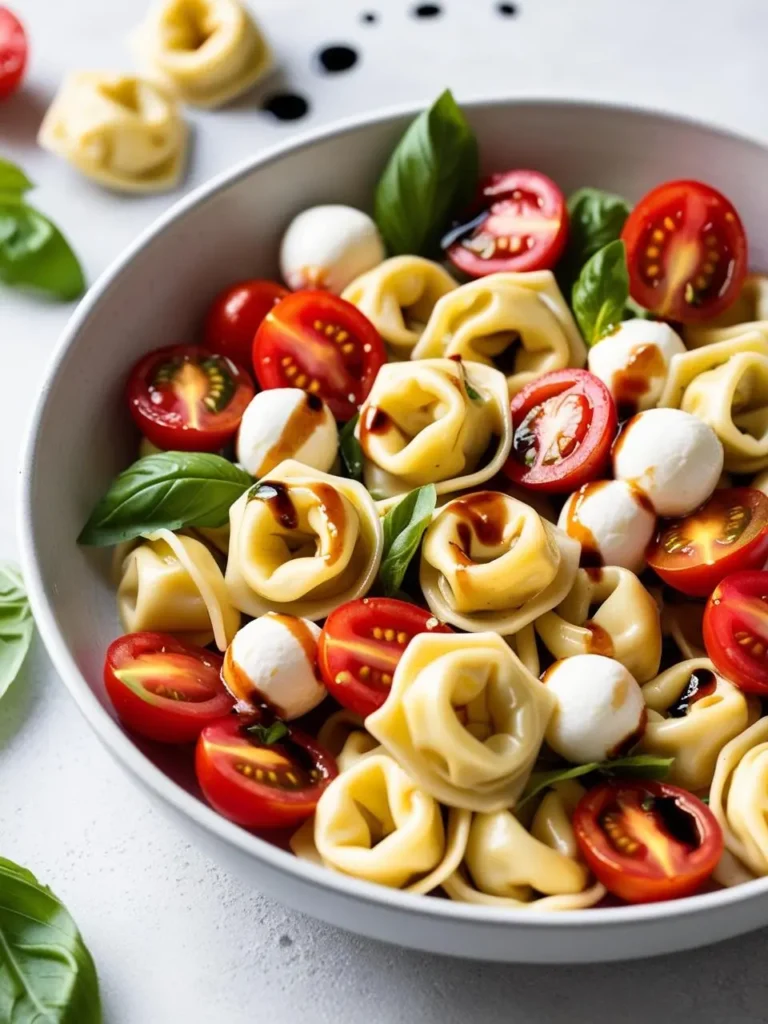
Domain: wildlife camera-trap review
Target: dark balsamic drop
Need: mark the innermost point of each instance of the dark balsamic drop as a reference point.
(285, 106)
(369, 17)
(507, 10)
(337, 58)
(428, 11)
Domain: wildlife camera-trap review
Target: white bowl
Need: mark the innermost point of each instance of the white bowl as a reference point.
(81, 437)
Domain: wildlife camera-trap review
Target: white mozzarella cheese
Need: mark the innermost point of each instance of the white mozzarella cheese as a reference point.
(611, 520)
(328, 247)
(633, 362)
(286, 423)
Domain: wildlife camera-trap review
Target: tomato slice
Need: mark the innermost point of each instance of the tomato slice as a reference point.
(257, 783)
(728, 533)
(564, 423)
(647, 841)
(164, 689)
(686, 251)
(236, 314)
(362, 642)
(323, 344)
(519, 221)
(13, 52)
(185, 398)
(736, 630)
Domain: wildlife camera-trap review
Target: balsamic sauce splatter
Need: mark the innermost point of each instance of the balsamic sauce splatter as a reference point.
(427, 11)
(369, 17)
(333, 59)
(286, 106)
(507, 10)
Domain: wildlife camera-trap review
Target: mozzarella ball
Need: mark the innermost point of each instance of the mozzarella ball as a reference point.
(611, 521)
(599, 710)
(328, 247)
(286, 423)
(633, 362)
(674, 458)
(274, 660)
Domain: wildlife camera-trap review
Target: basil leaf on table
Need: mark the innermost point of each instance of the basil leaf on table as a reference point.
(46, 972)
(595, 218)
(350, 451)
(16, 625)
(637, 766)
(13, 181)
(404, 526)
(431, 174)
(35, 254)
(601, 292)
(169, 490)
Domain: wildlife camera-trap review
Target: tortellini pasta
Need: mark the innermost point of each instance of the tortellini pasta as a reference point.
(343, 735)
(681, 621)
(302, 542)
(208, 51)
(519, 323)
(489, 561)
(464, 718)
(626, 625)
(692, 713)
(398, 297)
(122, 131)
(432, 421)
(739, 796)
(748, 312)
(172, 584)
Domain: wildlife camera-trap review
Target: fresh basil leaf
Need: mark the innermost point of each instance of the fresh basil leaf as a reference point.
(350, 450)
(34, 253)
(13, 181)
(539, 781)
(47, 974)
(268, 734)
(432, 173)
(16, 625)
(595, 218)
(601, 292)
(404, 526)
(169, 490)
(471, 393)
(634, 311)
(637, 766)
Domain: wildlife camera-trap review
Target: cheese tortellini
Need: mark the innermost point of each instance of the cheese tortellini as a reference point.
(343, 735)
(748, 312)
(464, 718)
(208, 51)
(432, 421)
(122, 131)
(739, 796)
(519, 323)
(489, 561)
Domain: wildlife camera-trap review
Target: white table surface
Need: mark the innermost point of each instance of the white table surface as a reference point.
(174, 938)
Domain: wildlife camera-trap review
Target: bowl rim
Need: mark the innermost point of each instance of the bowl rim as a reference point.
(119, 743)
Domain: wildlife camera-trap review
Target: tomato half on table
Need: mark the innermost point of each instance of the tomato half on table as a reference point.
(647, 841)
(686, 252)
(563, 423)
(728, 533)
(735, 630)
(362, 642)
(185, 398)
(236, 314)
(518, 222)
(164, 689)
(258, 784)
(322, 344)
(13, 52)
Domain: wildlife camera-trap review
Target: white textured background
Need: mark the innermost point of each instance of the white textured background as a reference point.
(175, 940)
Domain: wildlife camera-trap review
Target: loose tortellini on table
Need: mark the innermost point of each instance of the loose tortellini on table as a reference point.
(739, 797)
(122, 131)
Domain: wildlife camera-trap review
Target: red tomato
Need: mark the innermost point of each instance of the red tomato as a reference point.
(686, 252)
(519, 221)
(323, 344)
(728, 533)
(236, 314)
(361, 644)
(736, 630)
(164, 689)
(647, 841)
(258, 784)
(564, 423)
(13, 52)
(184, 398)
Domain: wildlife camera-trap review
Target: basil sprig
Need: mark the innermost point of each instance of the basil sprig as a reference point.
(601, 292)
(33, 252)
(637, 766)
(16, 625)
(595, 218)
(268, 734)
(431, 174)
(169, 490)
(404, 526)
(46, 971)
(350, 451)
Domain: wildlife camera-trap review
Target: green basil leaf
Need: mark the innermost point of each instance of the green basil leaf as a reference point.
(169, 490)
(595, 218)
(471, 393)
(634, 311)
(34, 253)
(637, 766)
(601, 292)
(16, 625)
(269, 734)
(539, 781)
(47, 974)
(431, 174)
(404, 526)
(350, 450)
(13, 181)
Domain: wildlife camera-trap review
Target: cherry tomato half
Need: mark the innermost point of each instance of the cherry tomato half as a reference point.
(164, 689)
(13, 52)
(728, 533)
(519, 221)
(686, 251)
(564, 423)
(236, 314)
(258, 784)
(735, 630)
(323, 344)
(185, 398)
(361, 644)
(647, 841)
